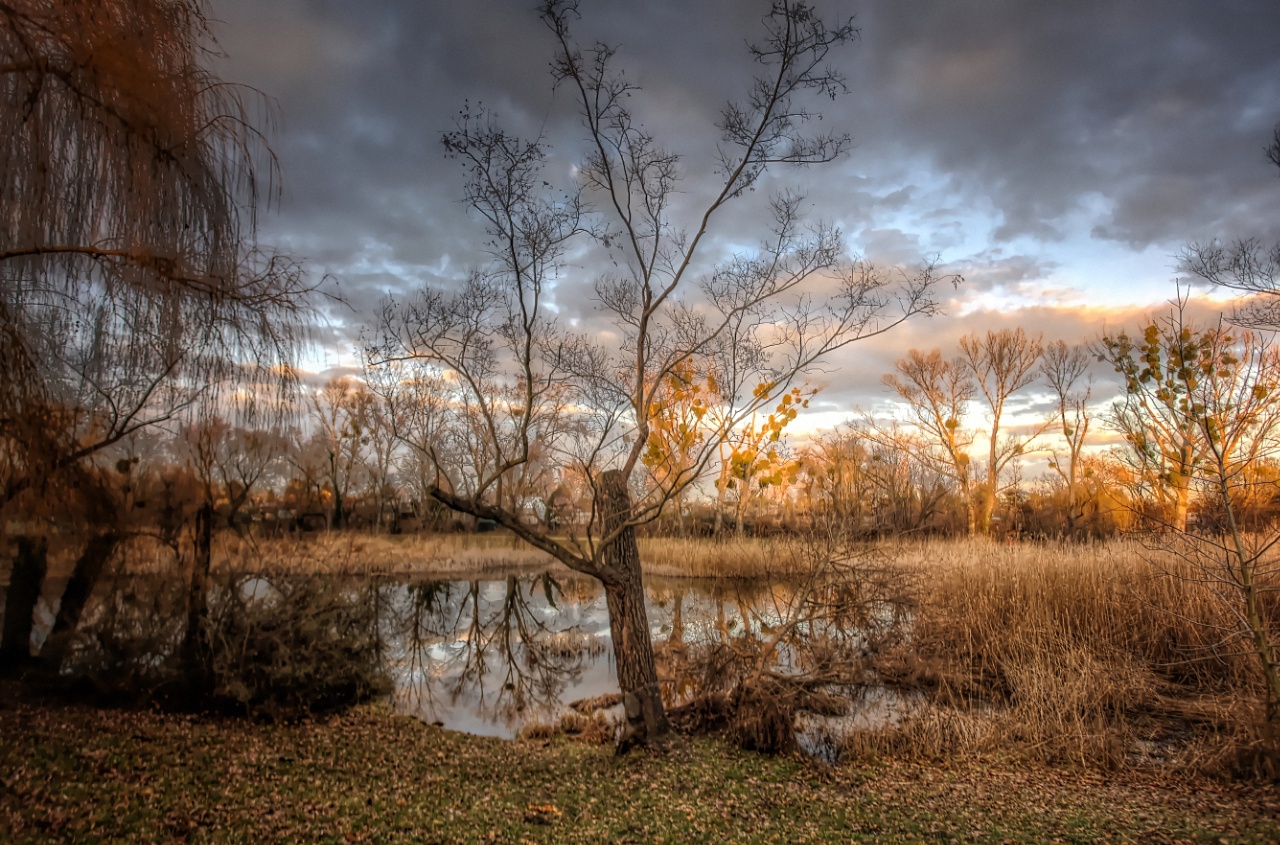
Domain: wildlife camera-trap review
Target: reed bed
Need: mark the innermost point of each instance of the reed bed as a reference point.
(445, 555)
(1075, 653)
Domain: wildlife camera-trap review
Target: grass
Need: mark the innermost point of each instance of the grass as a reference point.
(1073, 654)
(444, 555)
(70, 773)
(476, 555)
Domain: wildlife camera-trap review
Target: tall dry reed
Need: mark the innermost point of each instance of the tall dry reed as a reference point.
(1067, 652)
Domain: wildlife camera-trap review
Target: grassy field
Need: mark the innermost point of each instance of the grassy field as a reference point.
(75, 774)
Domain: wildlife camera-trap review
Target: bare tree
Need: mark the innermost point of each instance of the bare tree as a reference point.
(380, 458)
(835, 469)
(415, 402)
(1248, 266)
(937, 391)
(1063, 368)
(338, 412)
(1001, 363)
(517, 376)
(910, 488)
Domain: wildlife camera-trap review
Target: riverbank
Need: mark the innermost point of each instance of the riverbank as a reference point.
(72, 773)
(1080, 653)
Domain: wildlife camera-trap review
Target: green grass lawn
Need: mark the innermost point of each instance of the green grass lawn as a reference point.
(80, 774)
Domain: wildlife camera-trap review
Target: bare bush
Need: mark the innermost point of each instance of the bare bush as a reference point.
(288, 647)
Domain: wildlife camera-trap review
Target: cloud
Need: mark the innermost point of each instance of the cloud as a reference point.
(1037, 148)
(1035, 105)
(852, 378)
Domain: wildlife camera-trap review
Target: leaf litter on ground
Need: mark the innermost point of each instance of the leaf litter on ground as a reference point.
(74, 773)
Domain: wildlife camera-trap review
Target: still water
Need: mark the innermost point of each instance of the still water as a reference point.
(488, 657)
(491, 656)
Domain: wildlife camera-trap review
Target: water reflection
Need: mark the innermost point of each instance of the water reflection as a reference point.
(491, 656)
(488, 657)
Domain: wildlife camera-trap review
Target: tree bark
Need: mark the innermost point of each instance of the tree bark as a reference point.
(646, 719)
(970, 508)
(84, 578)
(29, 567)
(195, 652)
(986, 508)
(1181, 505)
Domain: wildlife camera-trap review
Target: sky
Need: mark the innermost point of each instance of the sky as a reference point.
(1058, 156)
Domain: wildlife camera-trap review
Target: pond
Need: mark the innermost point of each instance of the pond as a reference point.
(491, 656)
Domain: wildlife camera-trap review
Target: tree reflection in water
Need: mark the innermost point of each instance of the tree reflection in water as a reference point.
(489, 656)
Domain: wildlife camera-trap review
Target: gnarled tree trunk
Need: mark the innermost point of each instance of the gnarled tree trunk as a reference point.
(29, 566)
(628, 620)
(195, 642)
(84, 577)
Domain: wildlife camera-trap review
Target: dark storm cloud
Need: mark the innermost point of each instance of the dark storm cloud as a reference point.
(994, 270)
(975, 123)
(1161, 109)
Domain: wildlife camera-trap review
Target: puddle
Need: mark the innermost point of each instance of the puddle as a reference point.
(871, 708)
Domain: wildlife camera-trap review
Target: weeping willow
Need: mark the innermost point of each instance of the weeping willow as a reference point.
(133, 285)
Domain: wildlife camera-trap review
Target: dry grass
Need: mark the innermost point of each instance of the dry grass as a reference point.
(594, 729)
(472, 555)
(450, 555)
(727, 558)
(457, 555)
(1065, 653)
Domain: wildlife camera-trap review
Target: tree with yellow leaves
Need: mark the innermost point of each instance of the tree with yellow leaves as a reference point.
(755, 455)
(1201, 408)
(680, 421)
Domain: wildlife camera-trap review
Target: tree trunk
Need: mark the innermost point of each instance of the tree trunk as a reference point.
(195, 651)
(677, 618)
(721, 486)
(646, 719)
(337, 520)
(29, 567)
(84, 577)
(1181, 506)
(742, 490)
(986, 507)
(970, 507)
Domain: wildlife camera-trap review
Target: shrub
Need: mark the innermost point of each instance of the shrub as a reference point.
(285, 647)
